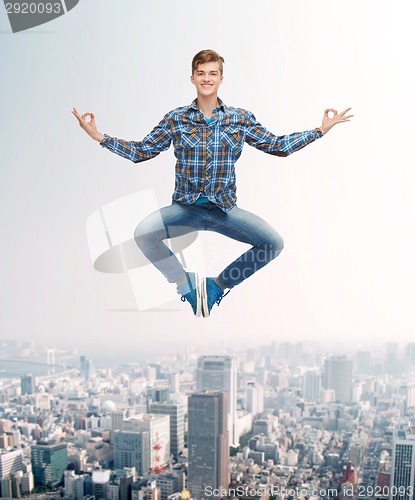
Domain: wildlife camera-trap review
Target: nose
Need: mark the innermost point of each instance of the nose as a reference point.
(206, 77)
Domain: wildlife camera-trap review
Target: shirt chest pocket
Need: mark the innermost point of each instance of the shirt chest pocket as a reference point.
(230, 137)
(189, 137)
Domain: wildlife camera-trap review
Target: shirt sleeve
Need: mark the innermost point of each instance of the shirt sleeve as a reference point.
(158, 140)
(261, 138)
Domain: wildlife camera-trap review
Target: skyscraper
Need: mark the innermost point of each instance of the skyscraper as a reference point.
(28, 384)
(364, 361)
(338, 376)
(403, 465)
(49, 462)
(254, 398)
(132, 449)
(11, 461)
(158, 429)
(218, 373)
(410, 355)
(312, 385)
(117, 417)
(157, 394)
(87, 368)
(174, 382)
(207, 443)
(393, 365)
(176, 414)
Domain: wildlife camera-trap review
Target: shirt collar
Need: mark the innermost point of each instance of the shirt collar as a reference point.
(221, 106)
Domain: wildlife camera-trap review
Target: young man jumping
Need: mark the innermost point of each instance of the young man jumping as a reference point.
(208, 138)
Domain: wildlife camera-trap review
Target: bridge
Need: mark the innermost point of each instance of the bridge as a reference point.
(36, 363)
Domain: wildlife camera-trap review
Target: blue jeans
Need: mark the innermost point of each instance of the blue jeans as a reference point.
(178, 220)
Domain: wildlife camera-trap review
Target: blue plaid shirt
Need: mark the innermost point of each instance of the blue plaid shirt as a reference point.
(206, 152)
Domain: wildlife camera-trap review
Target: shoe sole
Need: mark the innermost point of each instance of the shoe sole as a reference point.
(205, 307)
(199, 303)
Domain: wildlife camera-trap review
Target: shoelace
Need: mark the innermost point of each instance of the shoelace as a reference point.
(183, 298)
(220, 296)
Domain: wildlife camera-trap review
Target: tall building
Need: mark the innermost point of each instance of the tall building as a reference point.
(157, 395)
(117, 417)
(408, 393)
(403, 465)
(312, 386)
(393, 365)
(338, 376)
(207, 443)
(410, 355)
(10, 462)
(28, 384)
(254, 398)
(48, 463)
(132, 449)
(174, 382)
(176, 414)
(218, 373)
(158, 429)
(87, 368)
(364, 361)
(100, 481)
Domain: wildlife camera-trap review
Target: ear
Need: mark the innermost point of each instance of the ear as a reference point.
(192, 79)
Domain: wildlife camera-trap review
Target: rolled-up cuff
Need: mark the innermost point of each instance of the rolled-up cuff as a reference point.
(105, 140)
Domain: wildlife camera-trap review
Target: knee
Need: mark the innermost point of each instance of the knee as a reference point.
(140, 235)
(275, 245)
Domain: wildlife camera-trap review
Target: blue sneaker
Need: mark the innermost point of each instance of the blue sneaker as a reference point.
(191, 293)
(211, 294)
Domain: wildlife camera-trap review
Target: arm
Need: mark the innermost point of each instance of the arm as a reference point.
(154, 143)
(260, 138)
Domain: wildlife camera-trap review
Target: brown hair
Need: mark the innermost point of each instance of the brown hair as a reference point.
(205, 56)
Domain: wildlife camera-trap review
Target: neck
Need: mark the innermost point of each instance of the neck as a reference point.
(207, 104)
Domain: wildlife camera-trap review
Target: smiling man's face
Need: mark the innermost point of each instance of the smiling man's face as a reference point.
(207, 79)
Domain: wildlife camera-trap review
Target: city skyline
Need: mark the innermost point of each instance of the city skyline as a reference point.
(343, 205)
(302, 416)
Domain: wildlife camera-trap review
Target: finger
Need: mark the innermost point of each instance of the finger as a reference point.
(330, 110)
(77, 117)
(75, 112)
(84, 117)
(345, 111)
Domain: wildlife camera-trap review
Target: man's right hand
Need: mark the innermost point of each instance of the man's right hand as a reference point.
(89, 127)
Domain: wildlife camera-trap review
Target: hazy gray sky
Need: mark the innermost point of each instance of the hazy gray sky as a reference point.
(344, 205)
